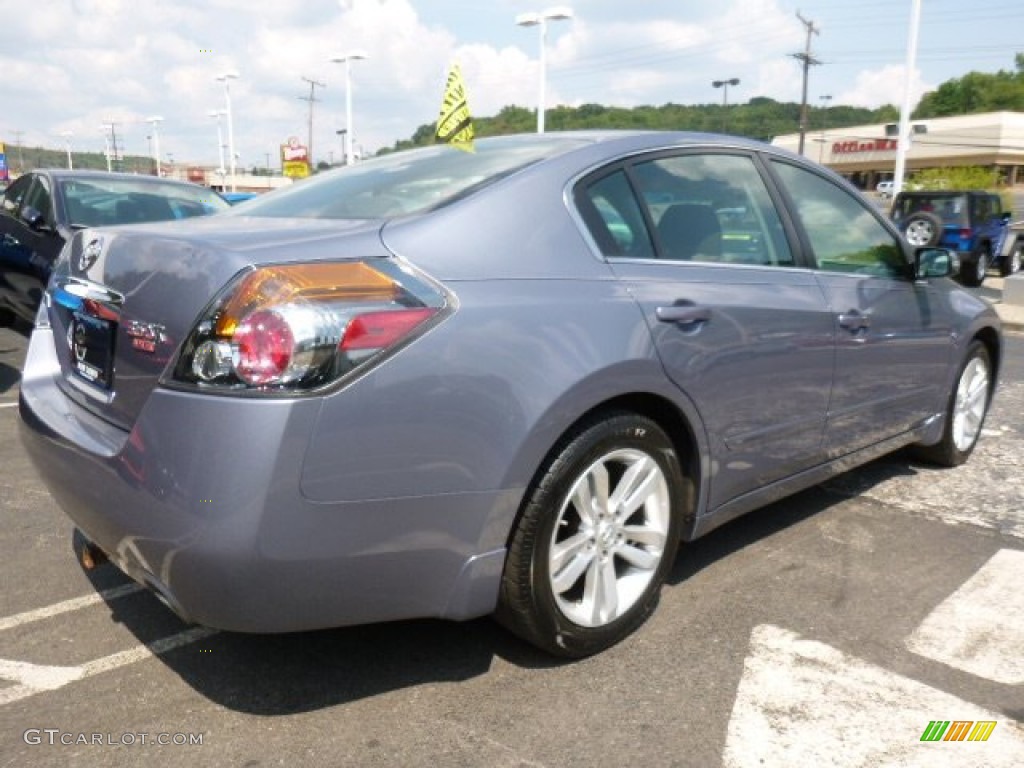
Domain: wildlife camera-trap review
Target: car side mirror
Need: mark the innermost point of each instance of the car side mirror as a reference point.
(935, 262)
(33, 218)
(1007, 215)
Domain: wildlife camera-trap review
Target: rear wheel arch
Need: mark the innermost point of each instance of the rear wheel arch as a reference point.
(666, 415)
(598, 527)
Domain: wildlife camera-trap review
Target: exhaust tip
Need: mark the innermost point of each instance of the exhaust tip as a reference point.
(91, 556)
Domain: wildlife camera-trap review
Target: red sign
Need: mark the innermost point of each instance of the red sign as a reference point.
(860, 145)
(295, 159)
(293, 151)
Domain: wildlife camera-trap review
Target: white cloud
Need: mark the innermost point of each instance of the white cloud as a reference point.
(874, 88)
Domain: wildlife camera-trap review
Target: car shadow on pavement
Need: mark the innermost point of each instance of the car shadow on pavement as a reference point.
(306, 671)
(9, 376)
(13, 351)
(764, 522)
(301, 672)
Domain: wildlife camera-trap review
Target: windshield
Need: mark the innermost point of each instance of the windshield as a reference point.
(407, 182)
(105, 201)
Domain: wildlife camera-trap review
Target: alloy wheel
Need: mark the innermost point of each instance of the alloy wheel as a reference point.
(609, 538)
(971, 403)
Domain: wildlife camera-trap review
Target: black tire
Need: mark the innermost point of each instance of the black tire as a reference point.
(965, 411)
(974, 269)
(1011, 262)
(922, 229)
(629, 550)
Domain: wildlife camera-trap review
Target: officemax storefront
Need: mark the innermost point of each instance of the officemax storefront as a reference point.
(866, 154)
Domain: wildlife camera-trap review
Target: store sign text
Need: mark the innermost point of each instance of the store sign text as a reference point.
(873, 145)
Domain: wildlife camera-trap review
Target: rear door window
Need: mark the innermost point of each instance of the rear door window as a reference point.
(713, 208)
(701, 207)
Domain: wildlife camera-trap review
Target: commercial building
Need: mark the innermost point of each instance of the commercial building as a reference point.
(866, 154)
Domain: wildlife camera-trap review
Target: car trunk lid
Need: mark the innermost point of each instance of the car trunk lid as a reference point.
(123, 300)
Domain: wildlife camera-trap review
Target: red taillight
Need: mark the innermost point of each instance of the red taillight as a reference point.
(375, 330)
(965, 233)
(265, 344)
(298, 327)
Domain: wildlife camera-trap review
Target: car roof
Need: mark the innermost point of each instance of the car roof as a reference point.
(642, 139)
(64, 174)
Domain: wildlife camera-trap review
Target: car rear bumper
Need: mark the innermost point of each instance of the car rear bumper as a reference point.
(201, 502)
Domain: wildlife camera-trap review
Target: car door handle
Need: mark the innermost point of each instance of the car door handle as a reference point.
(683, 315)
(854, 321)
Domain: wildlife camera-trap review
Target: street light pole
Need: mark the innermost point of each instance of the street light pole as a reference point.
(347, 59)
(343, 135)
(67, 145)
(219, 113)
(541, 19)
(106, 147)
(724, 85)
(226, 78)
(155, 122)
(903, 143)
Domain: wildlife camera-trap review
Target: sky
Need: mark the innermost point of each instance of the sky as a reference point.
(72, 66)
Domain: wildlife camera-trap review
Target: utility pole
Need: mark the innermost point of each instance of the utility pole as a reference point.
(807, 59)
(311, 99)
(21, 151)
(112, 152)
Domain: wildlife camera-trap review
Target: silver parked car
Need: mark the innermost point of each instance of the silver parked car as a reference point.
(449, 384)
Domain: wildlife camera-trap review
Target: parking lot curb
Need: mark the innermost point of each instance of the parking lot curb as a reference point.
(1012, 317)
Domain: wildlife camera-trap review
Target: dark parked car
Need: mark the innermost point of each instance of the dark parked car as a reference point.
(971, 223)
(41, 209)
(449, 384)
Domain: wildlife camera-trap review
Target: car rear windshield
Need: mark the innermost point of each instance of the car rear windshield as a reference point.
(952, 209)
(110, 201)
(406, 182)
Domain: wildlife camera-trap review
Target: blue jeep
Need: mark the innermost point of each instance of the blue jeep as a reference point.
(973, 224)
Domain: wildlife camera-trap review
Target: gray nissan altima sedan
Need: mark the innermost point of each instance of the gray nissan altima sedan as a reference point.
(451, 384)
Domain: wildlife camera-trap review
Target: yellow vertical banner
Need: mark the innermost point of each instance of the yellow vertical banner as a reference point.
(455, 126)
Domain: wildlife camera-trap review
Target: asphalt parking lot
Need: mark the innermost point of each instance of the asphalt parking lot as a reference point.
(829, 629)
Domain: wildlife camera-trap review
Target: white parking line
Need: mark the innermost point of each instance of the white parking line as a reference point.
(801, 702)
(37, 676)
(978, 628)
(8, 405)
(73, 604)
(31, 679)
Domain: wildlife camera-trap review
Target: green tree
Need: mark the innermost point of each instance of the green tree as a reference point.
(976, 92)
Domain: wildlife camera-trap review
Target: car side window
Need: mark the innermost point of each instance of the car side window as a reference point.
(15, 194)
(844, 235)
(711, 208)
(39, 197)
(614, 218)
